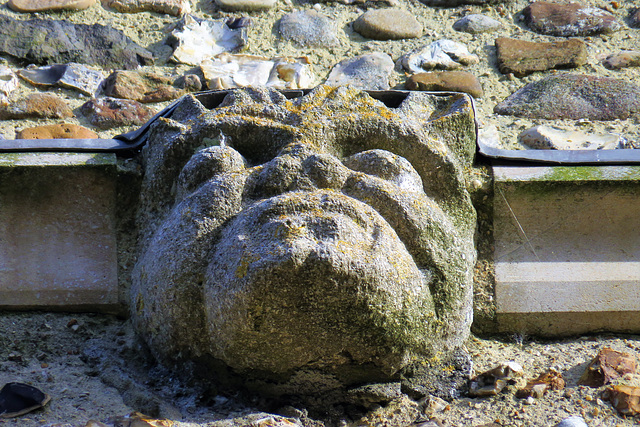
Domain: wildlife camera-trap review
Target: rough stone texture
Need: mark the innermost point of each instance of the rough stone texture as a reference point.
(454, 81)
(388, 24)
(45, 41)
(48, 5)
(37, 105)
(309, 28)
(634, 18)
(57, 231)
(522, 57)
(141, 86)
(170, 7)
(308, 243)
(245, 5)
(569, 19)
(574, 96)
(475, 24)
(370, 71)
(106, 113)
(616, 61)
(75, 76)
(57, 131)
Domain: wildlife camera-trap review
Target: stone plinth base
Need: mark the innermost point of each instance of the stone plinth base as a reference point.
(57, 231)
(567, 249)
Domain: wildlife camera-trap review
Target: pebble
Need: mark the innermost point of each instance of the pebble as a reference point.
(370, 71)
(8, 83)
(141, 86)
(66, 42)
(616, 61)
(493, 381)
(442, 54)
(72, 75)
(475, 24)
(388, 24)
(195, 39)
(569, 19)
(574, 96)
(37, 105)
(607, 366)
(453, 81)
(625, 398)
(48, 5)
(545, 137)
(189, 82)
(58, 131)
(523, 58)
(107, 113)
(246, 5)
(170, 7)
(309, 28)
(227, 71)
(574, 421)
(634, 18)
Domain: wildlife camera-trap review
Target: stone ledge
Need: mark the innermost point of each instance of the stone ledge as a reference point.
(567, 247)
(57, 231)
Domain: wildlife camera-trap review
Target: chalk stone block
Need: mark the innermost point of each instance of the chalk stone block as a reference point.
(57, 231)
(567, 249)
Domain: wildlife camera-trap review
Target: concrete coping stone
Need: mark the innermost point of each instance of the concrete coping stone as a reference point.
(565, 173)
(40, 159)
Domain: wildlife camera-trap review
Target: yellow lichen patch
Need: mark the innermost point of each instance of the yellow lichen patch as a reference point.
(245, 262)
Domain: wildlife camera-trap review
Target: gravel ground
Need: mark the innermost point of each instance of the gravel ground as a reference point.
(93, 368)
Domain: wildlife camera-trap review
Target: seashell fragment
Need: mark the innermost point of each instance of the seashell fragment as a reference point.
(227, 71)
(443, 54)
(493, 381)
(549, 138)
(72, 75)
(8, 83)
(195, 39)
(536, 388)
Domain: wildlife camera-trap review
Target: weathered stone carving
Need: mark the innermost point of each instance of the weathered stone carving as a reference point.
(307, 244)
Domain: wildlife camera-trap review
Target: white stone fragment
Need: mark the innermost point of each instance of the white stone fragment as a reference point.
(443, 54)
(548, 138)
(8, 82)
(72, 75)
(197, 39)
(228, 71)
(489, 136)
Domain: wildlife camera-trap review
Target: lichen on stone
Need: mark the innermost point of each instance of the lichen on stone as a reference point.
(328, 236)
